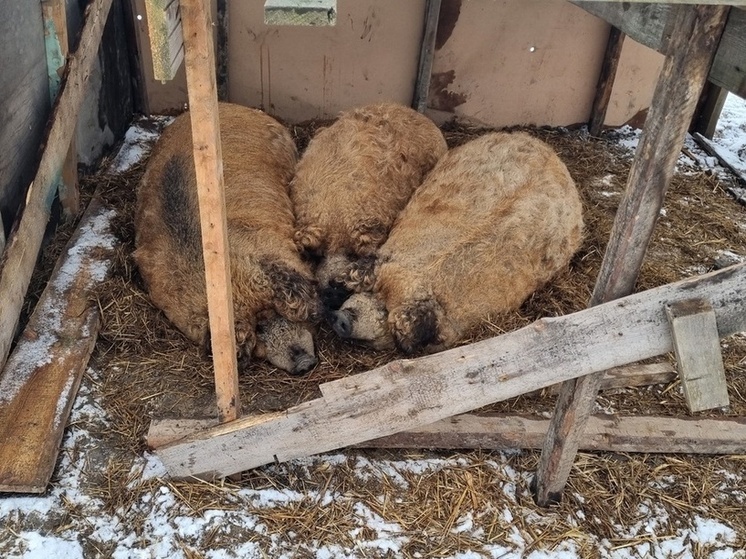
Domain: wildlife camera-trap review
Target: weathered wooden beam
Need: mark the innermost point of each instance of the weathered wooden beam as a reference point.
(646, 24)
(166, 37)
(606, 81)
(406, 394)
(727, 159)
(166, 431)
(427, 55)
(697, 346)
(694, 36)
(56, 42)
(648, 434)
(23, 246)
(203, 104)
(42, 375)
(708, 110)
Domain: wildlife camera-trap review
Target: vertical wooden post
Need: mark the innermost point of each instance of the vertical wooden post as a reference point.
(57, 45)
(696, 32)
(710, 106)
(427, 53)
(203, 107)
(606, 80)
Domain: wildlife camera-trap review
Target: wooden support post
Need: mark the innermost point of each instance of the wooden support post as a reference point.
(166, 37)
(23, 246)
(695, 34)
(199, 56)
(427, 53)
(606, 80)
(411, 393)
(709, 109)
(57, 46)
(697, 346)
(42, 375)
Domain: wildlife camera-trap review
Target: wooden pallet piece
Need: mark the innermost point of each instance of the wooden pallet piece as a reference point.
(606, 81)
(23, 246)
(42, 375)
(406, 394)
(695, 33)
(697, 347)
(166, 37)
(56, 44)
(199, 56)
(166, 431)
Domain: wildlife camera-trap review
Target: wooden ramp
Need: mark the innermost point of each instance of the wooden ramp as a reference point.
(42, 375)
(407, 394)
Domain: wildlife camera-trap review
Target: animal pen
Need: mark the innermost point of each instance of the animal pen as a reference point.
(426, 401)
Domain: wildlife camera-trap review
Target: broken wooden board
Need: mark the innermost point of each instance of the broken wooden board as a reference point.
(406, 394)
(697, 346)
(166, 37)
(42, 375)
(166, 431)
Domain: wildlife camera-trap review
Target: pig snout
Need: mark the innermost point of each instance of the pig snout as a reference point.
(302, 361)
(342, 323)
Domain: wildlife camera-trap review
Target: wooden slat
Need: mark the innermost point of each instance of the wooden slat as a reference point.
(23, 246)
(166, 37)
(606, 80)
(166, 431)
(406, 394)
(427, 55)
(42, 375)
(56, 42)
(695, 34)
(649, 434)
(208, 161)
(646, 23)
(614, 433)
(697, 346)
(709, 109)
(727, 159)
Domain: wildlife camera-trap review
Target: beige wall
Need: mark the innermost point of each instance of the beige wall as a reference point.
(635, 81)
(484, 70)
(300, 73)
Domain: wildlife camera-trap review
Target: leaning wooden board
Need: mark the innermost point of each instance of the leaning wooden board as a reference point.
(406, 394)
(42, 375)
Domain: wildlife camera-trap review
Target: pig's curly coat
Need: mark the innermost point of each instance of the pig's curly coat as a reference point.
(354, 179)
(268, 275)
(495, 220)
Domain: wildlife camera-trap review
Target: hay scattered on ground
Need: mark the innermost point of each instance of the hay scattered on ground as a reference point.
(152, 371)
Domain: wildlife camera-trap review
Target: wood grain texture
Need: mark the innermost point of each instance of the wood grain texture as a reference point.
(57, 47)
(42, 375)
(406, 394)
(697, 347)
(427, 55)
(694, 35)
(166, 37)
(23, 246)
(208, 162)
(606, 81)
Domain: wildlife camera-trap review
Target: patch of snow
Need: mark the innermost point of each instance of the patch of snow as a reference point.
(137, 143)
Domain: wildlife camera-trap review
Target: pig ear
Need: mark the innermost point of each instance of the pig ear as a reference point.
(415, 325)
(367, 236)
(295, 295)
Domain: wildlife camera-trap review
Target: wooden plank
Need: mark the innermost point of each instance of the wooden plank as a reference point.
(166, 37)
(166, 431)
(300, 12)
(727, 159)
(23, 246)
(406, 394)
(708, 110)
(606, 81)
(208, 162)
(42, 375)
(728, 70)
(613, 433)
(695, 34)
(427, 55)
(697, 346)
(24, 102)
(56, 43)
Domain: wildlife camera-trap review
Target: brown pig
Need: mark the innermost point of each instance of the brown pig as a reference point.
(274, 294)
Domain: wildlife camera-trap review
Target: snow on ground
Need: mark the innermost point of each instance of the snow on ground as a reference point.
(168, 526)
